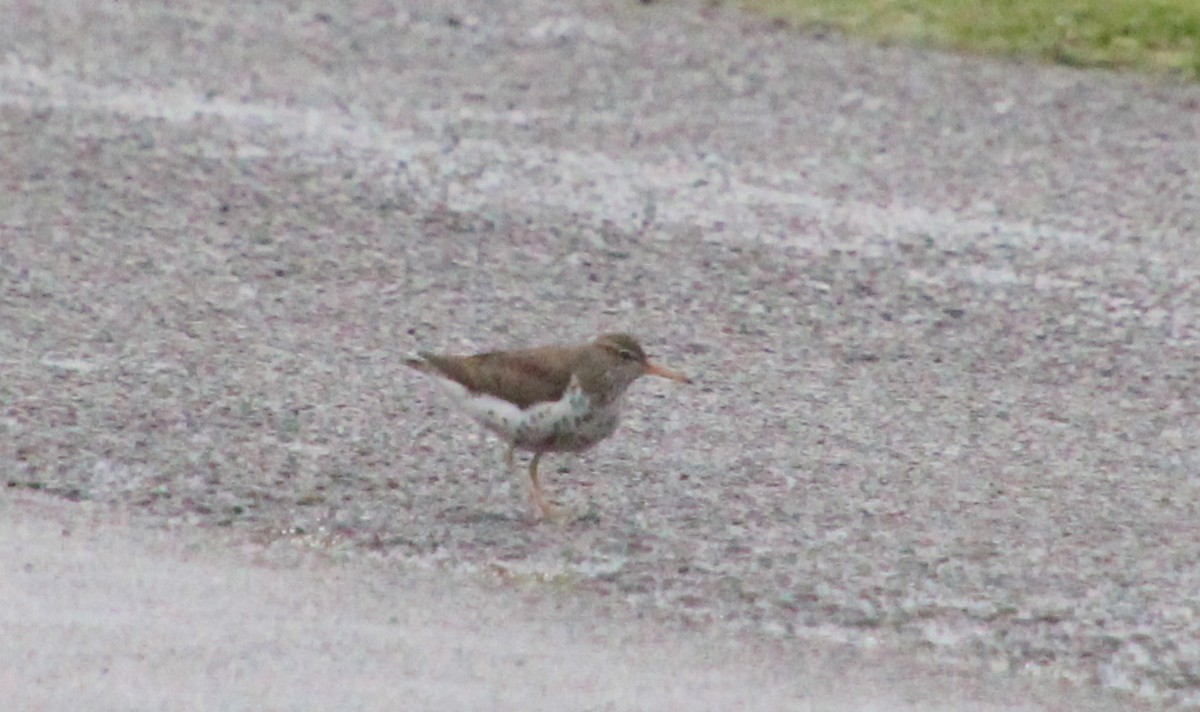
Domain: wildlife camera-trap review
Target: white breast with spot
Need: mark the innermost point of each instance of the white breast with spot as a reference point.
(570, 423)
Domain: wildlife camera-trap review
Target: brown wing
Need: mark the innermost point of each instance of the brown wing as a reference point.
(523, 378)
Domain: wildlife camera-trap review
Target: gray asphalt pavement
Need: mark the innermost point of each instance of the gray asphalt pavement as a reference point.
(941, 312)
(103, 614)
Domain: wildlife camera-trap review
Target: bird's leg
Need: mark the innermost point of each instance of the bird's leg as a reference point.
(548, 510)
(508, 468)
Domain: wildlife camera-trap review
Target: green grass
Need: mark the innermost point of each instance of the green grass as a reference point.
(1158, 36)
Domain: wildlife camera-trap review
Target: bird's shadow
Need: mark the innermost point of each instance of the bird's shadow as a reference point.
(584, 517)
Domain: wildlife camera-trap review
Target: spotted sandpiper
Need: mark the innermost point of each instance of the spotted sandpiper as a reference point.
(547, 399)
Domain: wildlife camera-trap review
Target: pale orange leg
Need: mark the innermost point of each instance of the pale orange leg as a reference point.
(548, 510)
(509, 463)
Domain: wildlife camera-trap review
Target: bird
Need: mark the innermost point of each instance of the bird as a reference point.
(562, 398)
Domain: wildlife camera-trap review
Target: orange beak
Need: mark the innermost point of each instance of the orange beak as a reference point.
(653, 369)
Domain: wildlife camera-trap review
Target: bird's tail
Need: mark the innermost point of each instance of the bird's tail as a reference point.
(418, 362)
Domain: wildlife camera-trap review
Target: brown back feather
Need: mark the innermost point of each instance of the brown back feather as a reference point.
(523, 378)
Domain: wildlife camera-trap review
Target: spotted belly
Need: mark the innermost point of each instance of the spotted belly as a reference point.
(554, 428)
(573, 422)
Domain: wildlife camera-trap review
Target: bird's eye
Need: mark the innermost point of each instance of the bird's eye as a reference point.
(627, 355)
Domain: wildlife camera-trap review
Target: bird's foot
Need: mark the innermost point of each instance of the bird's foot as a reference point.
(565, 514)
(547, 510)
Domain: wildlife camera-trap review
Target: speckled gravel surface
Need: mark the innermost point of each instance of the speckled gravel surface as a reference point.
(941, 311)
